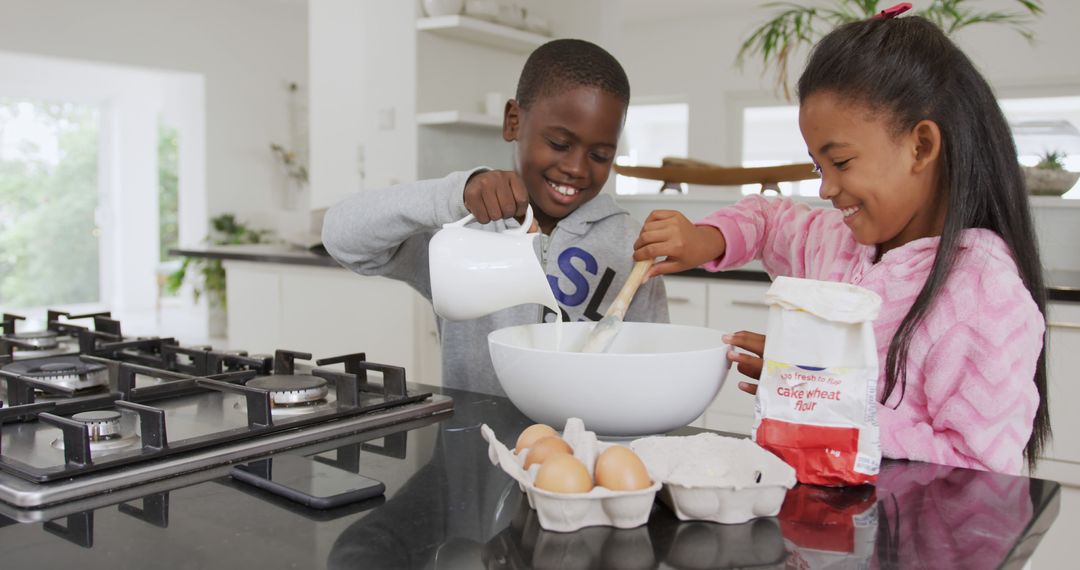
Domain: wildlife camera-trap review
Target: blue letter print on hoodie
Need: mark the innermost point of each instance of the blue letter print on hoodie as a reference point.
(580, 283)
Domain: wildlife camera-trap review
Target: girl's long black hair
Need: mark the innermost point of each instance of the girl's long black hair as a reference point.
(908, 69)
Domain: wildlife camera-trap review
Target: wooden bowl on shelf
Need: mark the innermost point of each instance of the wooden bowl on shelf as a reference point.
(1045, 182)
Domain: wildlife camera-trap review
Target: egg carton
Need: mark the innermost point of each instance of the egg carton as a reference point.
(567, 512)
(714, 478)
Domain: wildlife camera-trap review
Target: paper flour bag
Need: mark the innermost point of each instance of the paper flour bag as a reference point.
(817, 399)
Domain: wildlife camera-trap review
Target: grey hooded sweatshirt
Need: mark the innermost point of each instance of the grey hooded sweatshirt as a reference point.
(587, 258)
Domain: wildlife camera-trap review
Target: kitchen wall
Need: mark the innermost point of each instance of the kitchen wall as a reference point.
(246, 50)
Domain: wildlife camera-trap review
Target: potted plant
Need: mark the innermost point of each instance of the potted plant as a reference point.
(208, 275)
(294, 157)
(795, 26)
(1049, 177)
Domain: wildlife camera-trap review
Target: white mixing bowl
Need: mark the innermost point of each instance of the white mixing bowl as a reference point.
(655, 378)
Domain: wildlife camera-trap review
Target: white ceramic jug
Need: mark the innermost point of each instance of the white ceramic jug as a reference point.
(476, 272)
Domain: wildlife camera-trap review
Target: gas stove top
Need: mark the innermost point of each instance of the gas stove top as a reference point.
(64, 333)
(120, 412)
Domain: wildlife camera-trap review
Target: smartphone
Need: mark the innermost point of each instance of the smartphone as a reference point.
(307, 481)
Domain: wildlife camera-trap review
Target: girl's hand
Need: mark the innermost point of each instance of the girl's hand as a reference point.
(749, 364)
(496, 195)
(668, 233)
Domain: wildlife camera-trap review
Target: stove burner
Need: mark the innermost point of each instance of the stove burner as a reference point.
(62, 371)
(105, 429)
(35, 353)
(41, 340)
(293, 389)
(104, 424)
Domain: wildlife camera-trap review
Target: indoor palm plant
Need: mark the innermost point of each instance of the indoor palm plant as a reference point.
(796, 25)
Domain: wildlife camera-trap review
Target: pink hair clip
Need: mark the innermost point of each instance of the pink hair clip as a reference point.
(890, 13)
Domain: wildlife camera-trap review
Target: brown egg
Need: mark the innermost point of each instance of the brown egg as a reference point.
(620, 469)
(531, 434)
(546, 448)
(563, 473)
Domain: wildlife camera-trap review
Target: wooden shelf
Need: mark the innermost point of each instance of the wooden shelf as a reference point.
(482, 32)
(457, 118)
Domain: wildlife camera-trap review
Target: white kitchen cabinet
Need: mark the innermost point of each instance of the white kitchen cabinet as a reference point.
(687, 300)
(688, 305)
(328, 311)
(734, 306)
(1062, 455)
(730, 306)
(253, 291)
(429, 348)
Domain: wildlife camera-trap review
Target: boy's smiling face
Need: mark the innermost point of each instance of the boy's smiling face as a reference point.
(565, 148)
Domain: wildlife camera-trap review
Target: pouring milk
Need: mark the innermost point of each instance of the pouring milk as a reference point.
(476, 272)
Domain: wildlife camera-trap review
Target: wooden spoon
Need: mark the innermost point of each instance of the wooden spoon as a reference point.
(607, 328)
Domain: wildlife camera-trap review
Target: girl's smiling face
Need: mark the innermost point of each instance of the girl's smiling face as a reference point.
(885, 183)
(565, 148)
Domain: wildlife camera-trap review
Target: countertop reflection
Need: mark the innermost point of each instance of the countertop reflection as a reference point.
(447, 506)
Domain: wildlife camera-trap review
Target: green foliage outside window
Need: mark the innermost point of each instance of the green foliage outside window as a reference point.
(48, 195)
(168, 179)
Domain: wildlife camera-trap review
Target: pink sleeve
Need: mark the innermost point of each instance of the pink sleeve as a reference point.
(780, 232)
(977, 382)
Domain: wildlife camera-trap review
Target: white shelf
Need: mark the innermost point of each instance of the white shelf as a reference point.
(457, 118)
(1053, 202)
(482, 32)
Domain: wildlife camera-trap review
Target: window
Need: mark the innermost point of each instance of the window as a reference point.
(168, 183)
(771, 137)
(652, 132)
(1046, 124)
(48, 198)
(80, 148)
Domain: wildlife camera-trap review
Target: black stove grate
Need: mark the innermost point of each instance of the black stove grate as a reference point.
(355, 395)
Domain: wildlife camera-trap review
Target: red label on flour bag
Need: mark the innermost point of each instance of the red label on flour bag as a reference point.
(816, 404)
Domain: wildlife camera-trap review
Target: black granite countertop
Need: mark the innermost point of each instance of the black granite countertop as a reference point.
(447, 506)
(1061, 285)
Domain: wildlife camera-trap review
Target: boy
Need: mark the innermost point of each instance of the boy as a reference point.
(564, 125)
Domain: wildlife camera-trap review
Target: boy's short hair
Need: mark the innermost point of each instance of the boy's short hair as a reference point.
(567, 63)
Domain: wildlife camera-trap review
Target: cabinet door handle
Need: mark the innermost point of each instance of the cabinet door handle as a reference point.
(760, 304)
(1070, 326)
(678, 300)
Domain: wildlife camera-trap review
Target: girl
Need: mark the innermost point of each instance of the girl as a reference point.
(931, 214)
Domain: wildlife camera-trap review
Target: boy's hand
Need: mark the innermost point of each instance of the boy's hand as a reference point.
(750, 362)
(496, 195)
(668, 233)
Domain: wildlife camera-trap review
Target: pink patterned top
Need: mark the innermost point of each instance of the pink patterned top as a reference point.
(970, 399)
